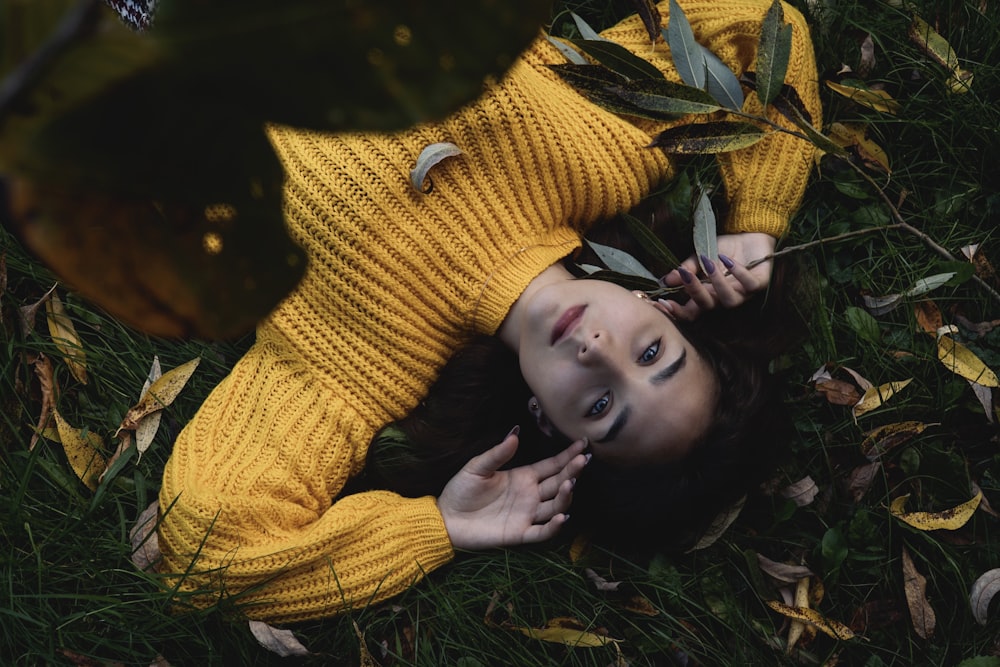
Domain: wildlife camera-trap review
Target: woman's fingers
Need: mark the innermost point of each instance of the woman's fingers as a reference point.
(556, 464)
(495, 457)
(560, 503)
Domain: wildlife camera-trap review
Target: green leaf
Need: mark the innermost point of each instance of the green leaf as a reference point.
(618, 59)
(980, 661)
(650, 15)
(620, 261)
(721, 82)
(773, 53)
(863, 324)
(666, 97)
(651, 243)
(586, 32)
(571, 54)
(705, 230)
(595, 82)
(708, 138)
(689, 60)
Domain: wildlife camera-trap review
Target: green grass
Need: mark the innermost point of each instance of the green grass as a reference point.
(67, 586)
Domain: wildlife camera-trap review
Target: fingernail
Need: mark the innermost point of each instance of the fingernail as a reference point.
(514, 431)
(685, 275)
(726, 262)
(572, 482)
(587, 456)
(565, 516)
(708, 264)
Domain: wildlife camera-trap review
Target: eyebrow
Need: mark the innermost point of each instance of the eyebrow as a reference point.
(668, 372)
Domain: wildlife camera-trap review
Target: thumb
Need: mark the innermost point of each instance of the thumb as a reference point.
(493, 458)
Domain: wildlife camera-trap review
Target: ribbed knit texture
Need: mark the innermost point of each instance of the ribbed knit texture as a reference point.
(397, 281)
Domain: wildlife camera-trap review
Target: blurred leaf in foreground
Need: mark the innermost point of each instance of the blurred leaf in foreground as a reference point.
(938, 48)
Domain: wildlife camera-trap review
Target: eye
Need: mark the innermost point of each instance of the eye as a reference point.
(650, 353)
(600, 405)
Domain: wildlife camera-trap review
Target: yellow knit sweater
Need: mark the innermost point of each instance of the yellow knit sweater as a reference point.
(396, 281)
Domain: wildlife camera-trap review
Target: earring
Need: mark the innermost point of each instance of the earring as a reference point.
(642, 296)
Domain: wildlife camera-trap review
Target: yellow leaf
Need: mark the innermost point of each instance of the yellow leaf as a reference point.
(879, 100)
(832, 628)
(797, 627)
(853, 135)
(81, 451)
(876, 396)
(949, 519)
(915, 586)
(579, 548)
(64, 336)
(938, 48)
(160, 394)
(566, 631)
(881, 440)
(147, 427)
(962, 361)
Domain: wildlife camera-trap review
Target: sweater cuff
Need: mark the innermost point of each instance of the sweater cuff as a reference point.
(508, 279)
(431, 549)
(755, 215)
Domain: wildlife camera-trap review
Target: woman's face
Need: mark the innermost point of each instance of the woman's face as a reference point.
(611, 367)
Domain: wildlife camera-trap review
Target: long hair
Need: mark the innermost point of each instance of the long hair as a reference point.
(480, 395)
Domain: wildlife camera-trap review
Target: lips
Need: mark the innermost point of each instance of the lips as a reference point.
(566, 322)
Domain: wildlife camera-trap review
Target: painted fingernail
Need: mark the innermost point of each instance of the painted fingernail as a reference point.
(685, 275)
(587, 456)
(708, 264)
(726, 262)
(514, 431)
(572, 482)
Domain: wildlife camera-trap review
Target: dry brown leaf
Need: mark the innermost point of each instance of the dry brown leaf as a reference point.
(879, 441)
(637, 604)
(161, 394)
(81, 450)
(719, 524)
(861, 478)
(983, 591)
(876, 396)
(66, 340)
(783, 572)
(915, 585)
(867, 60)
(838, 392)
(47, 383)
(962, 361)
(985, 397)
(832, 628)
(80, 660)
(949, 519)
(978, 329)
(802, 492)
(579, 548)
(281, 642)
(30, 313)
(144, 540)
(928, 316)
(984, 504)
(600, 583)
(146, 430)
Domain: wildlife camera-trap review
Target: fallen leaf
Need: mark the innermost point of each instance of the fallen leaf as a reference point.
(887, 437)
(144, 540)
(949, 519)
(985, 396)
(124, 442)
(978, 329)
(719, 524)
(879, 100)
(928, 316)
(867, 59)
(962, 361)
(80, 660)
(66, 340)
(146, 430)
(579, 548)
(984, 504)
(783, 572)
(81, 450)
(861, 478)
(983, 590)
(281, 642)
(880, 305)
(862, 381)
(47, 384)
(160, 394)
(30, 313)
(802, 492)
(600, 583)
(830, 627)
(854, 137)
(568, 631)
(838, 392)
(876, 396)
(915, 585)
(797, 627)
(638, 604)
(929, 283)
(938, 48)
(822, 373)
(429, 157)
(366, 659)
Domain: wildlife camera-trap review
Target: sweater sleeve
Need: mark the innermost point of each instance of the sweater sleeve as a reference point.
(251, 517)
(764, 182)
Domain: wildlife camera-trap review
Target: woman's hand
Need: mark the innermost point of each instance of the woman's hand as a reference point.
(485, 507)
(727, 291)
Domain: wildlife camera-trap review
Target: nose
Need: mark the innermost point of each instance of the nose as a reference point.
(594, 347)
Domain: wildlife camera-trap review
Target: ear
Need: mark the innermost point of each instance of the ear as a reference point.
(544, 425)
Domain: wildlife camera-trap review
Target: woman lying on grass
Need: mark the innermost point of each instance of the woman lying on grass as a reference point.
(253, 500)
